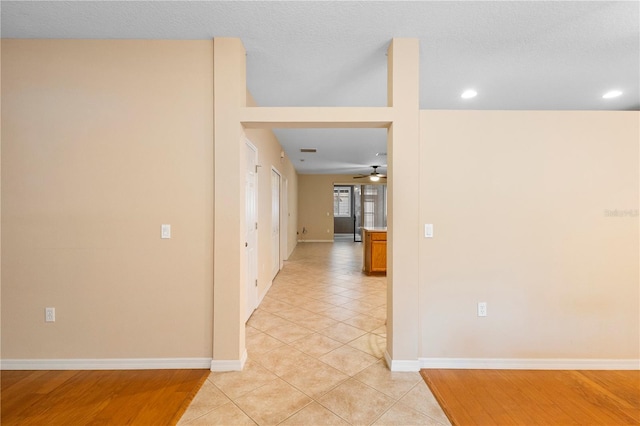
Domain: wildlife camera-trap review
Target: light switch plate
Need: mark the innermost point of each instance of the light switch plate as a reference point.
(428, 230)
(165, 231)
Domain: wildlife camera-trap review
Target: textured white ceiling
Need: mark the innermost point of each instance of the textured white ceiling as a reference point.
(540, 55)
(339, 151)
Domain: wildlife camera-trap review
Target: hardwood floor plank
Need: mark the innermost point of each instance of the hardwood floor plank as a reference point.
(511, 407)
(486, 398)
(182, 389)
(590, 401)
(460, 401)
(53, 379)
(571, 399)
(74, 402)
(10, 378)
(623, 389)
(16, 381)
(465, 398)
(504, 397)
(144, 397)
(600, 396)
(538, 405)
(25, 398)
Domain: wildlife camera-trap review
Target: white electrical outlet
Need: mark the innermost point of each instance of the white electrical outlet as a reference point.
(482, 309)
(50, 314)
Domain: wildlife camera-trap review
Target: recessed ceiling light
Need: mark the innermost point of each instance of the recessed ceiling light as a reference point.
(468, 94)
(612, 94)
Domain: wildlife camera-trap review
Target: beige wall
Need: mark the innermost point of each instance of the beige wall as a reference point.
(315, 208)
(518, 202)
(102, 142)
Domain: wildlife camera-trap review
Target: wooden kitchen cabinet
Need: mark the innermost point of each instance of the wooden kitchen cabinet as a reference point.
(375, 250)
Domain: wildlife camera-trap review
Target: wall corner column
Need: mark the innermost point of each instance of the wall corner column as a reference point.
(403, 146)
(229, 97)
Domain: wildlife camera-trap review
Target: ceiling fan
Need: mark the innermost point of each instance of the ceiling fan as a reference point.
(374, 176)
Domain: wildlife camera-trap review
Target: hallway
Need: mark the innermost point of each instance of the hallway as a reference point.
(316, 353)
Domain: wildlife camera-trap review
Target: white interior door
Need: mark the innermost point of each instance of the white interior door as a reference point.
(275, 223)
(284, 220)
(251, 226)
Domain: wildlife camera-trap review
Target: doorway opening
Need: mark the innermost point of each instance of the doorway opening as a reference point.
(344, 213)
(356, 207)
(347, 299)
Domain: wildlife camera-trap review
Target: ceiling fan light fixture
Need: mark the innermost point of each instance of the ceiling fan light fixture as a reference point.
(374, 176)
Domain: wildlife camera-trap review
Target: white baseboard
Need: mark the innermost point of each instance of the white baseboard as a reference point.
(530, 364)
(106, 364)
(229, 364)
(315, 241)
(402, 364)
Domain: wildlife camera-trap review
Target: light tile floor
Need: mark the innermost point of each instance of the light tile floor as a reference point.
(316, 353)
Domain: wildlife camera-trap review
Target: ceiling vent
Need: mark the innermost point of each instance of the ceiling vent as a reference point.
(308, 150)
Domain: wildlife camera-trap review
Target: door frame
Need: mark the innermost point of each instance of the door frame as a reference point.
(284, 220)
(279, 204)
(401, 117)
(252, 297)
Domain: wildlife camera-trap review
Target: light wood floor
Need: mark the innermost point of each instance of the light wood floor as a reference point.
(141, 397)
(522, 397)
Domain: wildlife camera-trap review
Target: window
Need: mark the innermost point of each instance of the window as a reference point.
(374, 205)
(342, 201)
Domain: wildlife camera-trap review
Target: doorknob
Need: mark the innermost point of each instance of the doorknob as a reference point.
(246, 244)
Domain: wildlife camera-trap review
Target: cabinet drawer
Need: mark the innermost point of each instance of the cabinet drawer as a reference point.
(379, 236)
